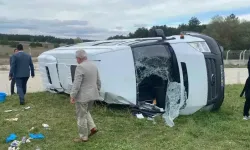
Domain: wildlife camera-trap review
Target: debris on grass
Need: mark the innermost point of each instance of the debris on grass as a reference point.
(36, 136)
(38, 148)
(46, 126)
(139, 116)
(10, 110)
(152, 119)
(28, 140)
(24, 140)
(15, 145)
(11, 137)
(7, 111)
(26, 108)
(12, 119)
(31, 129)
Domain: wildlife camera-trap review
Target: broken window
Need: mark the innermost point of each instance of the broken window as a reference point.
(158, 80)
(153, 68)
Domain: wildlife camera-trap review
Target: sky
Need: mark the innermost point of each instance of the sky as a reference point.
(100, 19)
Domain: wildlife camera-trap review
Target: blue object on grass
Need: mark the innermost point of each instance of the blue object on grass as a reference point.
(36, 136)
(2, 97)
(11, 137)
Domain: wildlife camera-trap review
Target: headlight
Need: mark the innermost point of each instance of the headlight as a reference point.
(200, 46)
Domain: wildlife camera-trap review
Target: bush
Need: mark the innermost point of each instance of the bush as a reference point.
(36, 44)
(13, 44)
(4, 42)
(56, 45)
(46, 46)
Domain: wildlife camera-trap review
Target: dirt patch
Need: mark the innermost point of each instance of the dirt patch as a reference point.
(6, 67)
(6, 51)
(6, 61)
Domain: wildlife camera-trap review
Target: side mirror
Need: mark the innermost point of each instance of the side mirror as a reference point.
(160, 33)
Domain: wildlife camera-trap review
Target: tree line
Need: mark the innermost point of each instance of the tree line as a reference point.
(4, 38)
(231, 32)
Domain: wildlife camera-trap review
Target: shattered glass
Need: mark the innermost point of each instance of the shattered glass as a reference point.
(173, 102)
(156, 61)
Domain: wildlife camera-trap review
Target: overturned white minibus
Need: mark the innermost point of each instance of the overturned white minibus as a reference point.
(181, 73)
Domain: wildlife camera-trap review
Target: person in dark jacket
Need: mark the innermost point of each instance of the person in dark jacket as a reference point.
(21, 69)
(246, 90)
(13, 81)
(248, 66)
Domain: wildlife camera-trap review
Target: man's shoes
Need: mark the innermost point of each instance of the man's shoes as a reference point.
(93, 131)
(22, 103)
(246, 118)
(79, 140)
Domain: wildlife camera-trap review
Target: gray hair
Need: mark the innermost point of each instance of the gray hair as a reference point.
(81, 54)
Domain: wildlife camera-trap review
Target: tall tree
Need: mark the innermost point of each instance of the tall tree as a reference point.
(77, 40)
(229, 32)
(194, 22)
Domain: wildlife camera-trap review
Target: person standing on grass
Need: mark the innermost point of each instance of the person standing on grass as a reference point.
(21, 68)
(85, 90)
(13, 82)
(248, 66)
(246, 90)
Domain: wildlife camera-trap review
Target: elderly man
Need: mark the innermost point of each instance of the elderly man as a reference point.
(85, 90)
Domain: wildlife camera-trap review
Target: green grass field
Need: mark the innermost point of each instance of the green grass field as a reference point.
(119, 130)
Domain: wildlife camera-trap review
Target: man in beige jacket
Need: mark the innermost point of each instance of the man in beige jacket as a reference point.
(85, 89)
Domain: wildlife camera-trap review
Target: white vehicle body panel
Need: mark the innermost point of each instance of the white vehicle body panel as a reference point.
(117, 71)
(197, 76)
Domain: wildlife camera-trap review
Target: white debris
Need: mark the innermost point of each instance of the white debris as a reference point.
(7, 111)
(152, 119)
(32, 129)
(28, 140)
(26, 108)
(46, 126)
(12, 119)
(15, 145)
(139, 116)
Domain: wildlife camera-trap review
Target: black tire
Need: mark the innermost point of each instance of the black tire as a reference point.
(214, 107)
(217, 105)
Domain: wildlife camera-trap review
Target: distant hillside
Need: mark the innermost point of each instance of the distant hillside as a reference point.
(39, 38)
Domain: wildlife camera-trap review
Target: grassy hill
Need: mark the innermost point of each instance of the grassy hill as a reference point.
(6, 50)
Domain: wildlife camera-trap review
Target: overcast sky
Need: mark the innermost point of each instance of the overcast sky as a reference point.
(99, 19)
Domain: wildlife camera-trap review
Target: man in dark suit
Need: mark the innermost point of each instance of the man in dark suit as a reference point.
(248, 66)
(21, 67)
(13, 82)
